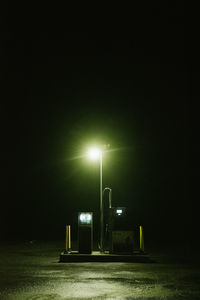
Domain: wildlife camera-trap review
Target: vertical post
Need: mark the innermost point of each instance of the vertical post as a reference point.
(69, 234)
(141, 239)
(110, 198)
(68, 238)
(66, 247)
(101, 206)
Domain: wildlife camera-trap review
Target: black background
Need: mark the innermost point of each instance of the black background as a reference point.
(111, 75)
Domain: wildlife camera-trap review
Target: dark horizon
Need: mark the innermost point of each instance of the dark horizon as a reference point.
(65, 88)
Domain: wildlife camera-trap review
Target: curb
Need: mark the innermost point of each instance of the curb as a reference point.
(102, 257)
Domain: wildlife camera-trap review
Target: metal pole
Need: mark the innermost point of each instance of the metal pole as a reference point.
(68, 238)
(110, 198)
(141, 239)
(101, 206)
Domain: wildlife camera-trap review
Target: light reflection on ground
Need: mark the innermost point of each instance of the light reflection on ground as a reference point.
(32, 271)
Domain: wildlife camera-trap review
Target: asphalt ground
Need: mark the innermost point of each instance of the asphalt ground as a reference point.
(31, 270)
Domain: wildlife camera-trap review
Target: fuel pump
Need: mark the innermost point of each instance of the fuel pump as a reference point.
(118, 237)
(85, 232)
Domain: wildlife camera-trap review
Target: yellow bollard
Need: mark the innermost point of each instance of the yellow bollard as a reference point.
(141, 239)
(68, 238)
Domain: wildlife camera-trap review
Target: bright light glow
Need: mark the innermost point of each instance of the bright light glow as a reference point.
(94, 153)
(119, 211)
(85, 218)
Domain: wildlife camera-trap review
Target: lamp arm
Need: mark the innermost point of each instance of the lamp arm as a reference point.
(110, 195)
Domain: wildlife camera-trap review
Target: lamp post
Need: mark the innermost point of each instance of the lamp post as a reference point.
(95, 153)
(101, 202)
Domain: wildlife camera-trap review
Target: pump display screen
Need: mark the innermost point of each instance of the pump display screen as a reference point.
(119, 211)
(85, 218)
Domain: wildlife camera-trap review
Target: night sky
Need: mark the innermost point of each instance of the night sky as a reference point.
(69, 79)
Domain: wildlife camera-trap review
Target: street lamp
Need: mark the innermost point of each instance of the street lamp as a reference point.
(95, 153)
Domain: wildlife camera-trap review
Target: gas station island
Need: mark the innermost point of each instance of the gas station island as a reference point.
(120, 243)
(117, 242)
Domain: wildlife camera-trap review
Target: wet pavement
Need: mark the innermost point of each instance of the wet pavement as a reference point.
(32, 271)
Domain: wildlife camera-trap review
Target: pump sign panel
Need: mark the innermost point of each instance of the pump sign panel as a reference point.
(119, 211)
(85, 218)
